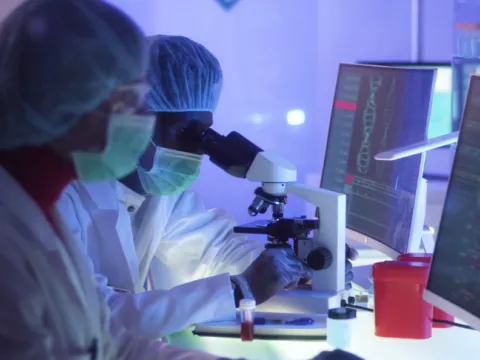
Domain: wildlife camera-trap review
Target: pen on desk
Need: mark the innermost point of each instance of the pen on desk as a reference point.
(299, 321)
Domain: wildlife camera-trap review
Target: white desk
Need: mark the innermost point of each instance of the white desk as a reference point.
(445, 344)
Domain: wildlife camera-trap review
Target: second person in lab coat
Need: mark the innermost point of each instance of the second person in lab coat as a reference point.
(164, 243)
(66, 68)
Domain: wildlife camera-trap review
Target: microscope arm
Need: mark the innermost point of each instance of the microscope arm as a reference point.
(330, 235)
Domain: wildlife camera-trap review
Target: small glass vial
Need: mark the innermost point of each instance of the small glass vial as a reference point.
(247, 317)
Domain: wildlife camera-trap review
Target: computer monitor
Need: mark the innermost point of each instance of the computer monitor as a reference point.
(463, 68)
(440, 122)
(376, 108)
(454, 282)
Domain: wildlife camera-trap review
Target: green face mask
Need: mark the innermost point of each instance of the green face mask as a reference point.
(128, 138)
(172, 172)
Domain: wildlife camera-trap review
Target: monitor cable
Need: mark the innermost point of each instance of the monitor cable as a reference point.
(350, 304)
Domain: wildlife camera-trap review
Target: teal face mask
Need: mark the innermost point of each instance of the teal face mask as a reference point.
(172, 172)
(129, 133)
(128, 138)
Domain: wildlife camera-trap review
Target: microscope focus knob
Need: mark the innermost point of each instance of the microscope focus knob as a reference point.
(319, 259)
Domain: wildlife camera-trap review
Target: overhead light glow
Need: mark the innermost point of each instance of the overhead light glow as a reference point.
(257, 118)
(295, 117)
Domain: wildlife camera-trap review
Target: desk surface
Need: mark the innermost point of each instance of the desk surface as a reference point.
(445, 344)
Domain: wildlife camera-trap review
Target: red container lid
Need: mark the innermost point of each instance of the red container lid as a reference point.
(404, 271)
(415, 257)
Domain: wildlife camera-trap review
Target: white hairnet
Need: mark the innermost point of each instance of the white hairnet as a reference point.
(183, 74)
(59, 59)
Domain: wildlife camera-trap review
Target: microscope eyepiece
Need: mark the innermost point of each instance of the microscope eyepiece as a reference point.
(232, 153)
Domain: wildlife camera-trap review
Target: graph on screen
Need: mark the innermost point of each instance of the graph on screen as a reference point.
(376, 109)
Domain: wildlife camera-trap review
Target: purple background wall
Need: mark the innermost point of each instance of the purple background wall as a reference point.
(279, 55)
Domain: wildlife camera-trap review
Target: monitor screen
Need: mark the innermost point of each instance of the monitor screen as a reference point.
(455, 270)
(463, 68)
(441, 112)
(377, 108)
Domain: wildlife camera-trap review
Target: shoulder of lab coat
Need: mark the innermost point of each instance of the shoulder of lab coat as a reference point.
(67, 206)
(22, 305)
(155, 313)
(25, 335)
(200, 242)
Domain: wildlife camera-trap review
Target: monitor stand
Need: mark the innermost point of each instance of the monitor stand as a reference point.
(427, 233)
(423, 239)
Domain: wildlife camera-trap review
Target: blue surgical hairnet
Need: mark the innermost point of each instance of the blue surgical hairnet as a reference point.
(183, 74)
(59, 59)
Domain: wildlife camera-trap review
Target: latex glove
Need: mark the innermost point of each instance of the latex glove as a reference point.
(351, 254)
(336, 355)
(275, 269)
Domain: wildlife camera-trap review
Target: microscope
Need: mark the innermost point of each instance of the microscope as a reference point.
(318, 242)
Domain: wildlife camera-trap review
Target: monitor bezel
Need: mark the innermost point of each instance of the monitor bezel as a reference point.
(458, 63)
(403, 64)
(430, 295)
(356, 236)
(451, 308)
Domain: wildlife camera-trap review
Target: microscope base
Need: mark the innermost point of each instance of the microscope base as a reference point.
(301, 301)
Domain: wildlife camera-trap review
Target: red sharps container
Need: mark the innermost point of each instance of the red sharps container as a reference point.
(400, 311)
(437, 313)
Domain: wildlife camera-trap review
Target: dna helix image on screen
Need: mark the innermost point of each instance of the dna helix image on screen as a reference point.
(369, 118)
(375, 109)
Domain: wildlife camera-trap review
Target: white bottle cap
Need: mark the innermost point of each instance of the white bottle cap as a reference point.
(342, 314)
(247, 304)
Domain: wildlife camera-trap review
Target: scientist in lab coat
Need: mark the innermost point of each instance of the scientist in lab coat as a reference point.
(71, 96)
(194, 268)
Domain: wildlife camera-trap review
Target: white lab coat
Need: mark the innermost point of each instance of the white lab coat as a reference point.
(50, 307)
(175, 237)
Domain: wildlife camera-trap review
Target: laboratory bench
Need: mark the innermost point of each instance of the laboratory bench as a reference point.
(445, 344)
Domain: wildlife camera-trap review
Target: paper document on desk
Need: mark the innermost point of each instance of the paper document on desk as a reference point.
(274, 327)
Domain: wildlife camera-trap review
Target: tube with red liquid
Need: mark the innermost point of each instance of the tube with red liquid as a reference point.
(247, 317)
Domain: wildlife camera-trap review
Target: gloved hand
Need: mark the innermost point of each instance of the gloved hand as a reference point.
(351, 254)
(275, 269)
(336, 355)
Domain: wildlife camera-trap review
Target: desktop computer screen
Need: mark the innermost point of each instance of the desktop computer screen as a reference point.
(454, 282)
(440, 122)
(463, 69)
(377, 108)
